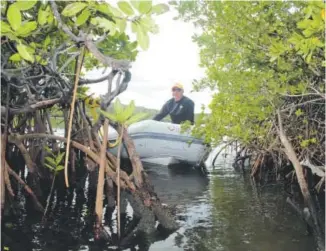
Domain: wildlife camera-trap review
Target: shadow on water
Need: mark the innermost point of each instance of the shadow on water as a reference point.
(218, 212)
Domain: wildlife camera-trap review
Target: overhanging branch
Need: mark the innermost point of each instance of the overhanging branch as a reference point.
(87, 40)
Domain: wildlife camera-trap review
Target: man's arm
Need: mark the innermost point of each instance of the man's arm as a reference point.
(163, 112)
(192, 112)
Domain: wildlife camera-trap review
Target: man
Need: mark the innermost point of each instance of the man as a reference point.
(180, 108)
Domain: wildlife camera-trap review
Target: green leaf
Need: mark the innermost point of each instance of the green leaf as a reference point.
(135, 3)
(134, 27)
(24, 53)
(121, 24)
(47, 41)
(144, 7)
(59, 168)
(25, 5)
(142, 39)
(308, 58)
(126, 8)
(15, 57)
(49, 166)
(59, 157)
(26, 28)
(73, 8)
(160, 8)
(50, 18)
(48, 149)
(115, 12)
(129, 110)
(83, 17)
(148, 24)
(135, 118)
(3, 7)
(38, 58)
(12, 37)
(104, 8)
(104, 24)
(5, 27)
(108, 115)
(50, 160)
(42, 17)
(317, 42)
(118, 108)
(14, 17)
(298, 112)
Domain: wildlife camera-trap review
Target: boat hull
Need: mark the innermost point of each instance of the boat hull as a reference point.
(154, 139)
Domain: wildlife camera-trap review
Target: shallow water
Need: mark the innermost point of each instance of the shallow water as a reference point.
(227, 214)
(222, 212)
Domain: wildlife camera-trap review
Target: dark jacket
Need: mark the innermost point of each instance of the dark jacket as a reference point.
(179, 111)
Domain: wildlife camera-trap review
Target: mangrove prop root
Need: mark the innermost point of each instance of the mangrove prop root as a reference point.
(49, 198)
(4, 139)
(7, 181)
(134, 158)
(3, 169)
(300, 212)
(302, 183)
(26, 187)
(118, 183)
(256, 165)
(72, 108)
(91, 154)
(100, 183)
(73, 165)
(164, 217)
(110, 193)
(146, 225)
(85, 124)
(28, 160)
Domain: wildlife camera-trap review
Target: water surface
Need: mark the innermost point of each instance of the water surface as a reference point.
(221, 212)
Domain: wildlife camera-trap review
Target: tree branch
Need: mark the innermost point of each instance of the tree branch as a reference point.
(114, 63)
(32, 107)
(303, 103)
(93, 81)
(62, 25)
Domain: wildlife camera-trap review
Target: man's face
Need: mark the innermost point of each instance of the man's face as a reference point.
(177, 93)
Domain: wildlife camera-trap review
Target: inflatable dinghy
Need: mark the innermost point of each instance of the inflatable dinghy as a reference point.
(154, 139)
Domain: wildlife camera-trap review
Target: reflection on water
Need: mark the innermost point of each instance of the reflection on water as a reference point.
(229, 215)
(221, 212)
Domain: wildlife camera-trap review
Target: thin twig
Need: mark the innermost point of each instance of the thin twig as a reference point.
(118, 183)
(72, 109)
(49, 198)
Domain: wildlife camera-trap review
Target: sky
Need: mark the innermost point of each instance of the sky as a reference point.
(171, 57)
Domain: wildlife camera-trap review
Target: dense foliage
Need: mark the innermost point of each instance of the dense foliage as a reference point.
(43, 39)
(260, 57)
